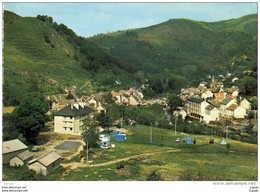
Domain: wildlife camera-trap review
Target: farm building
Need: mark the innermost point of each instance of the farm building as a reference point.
(21, 159)
(45, 163)
(12, 148)
(69, 120)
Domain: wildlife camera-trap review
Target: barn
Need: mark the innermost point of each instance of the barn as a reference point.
(12, 148)
(45, 163)
(21, 159)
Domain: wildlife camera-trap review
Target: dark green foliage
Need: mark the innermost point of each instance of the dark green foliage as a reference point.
(182, 52)
(9, 128)
(44, 18)
(174, 101)
(248, 86)
(31, 116)
(103, 120)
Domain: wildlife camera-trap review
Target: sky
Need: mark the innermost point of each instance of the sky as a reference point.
(88, 19)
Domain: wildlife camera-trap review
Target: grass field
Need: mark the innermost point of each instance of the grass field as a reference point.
(201, 161)
(185, 162)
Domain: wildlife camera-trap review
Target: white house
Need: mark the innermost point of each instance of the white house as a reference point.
(92, 102)
(225, 104)
(69, 120)
(211, 114)
(240, 112)
(207, 94)
(245, 104)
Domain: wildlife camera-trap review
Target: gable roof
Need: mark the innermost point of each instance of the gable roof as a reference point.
(115, 93)
(47, 158)
(226, 101)
(25, 155)
(71, 110)
(13, 145)
(232, 107)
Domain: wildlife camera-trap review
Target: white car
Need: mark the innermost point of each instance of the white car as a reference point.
(178, 140)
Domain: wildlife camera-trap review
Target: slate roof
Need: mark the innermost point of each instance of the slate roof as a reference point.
(13, 145)
(196, 100)
(47, 158)
(210, 107)
(73, 111)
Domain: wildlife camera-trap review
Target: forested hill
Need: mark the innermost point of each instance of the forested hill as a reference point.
(41, 55)
(182, 52)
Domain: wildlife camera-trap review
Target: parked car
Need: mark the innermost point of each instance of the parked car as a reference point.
(178, 140)
(35, 149)
(211, 141)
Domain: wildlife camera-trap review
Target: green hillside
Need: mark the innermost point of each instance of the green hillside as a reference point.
(38, 51)
(182, 51)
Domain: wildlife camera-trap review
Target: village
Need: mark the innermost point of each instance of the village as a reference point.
(209, 103)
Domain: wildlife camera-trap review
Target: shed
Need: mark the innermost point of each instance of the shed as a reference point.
(120, 137)
(223, 142)
(12, 148)
(116, 132)
(21, 159)
(188, 140)
(45, 163)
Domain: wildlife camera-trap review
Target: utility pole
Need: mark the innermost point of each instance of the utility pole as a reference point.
(122, 120)
(151, 135)
(87, 152)
(226, 132)
(175, 125)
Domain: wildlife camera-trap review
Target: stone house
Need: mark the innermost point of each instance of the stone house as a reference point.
(69, 120)
(46, 163)
(12, 148)
(207, 94)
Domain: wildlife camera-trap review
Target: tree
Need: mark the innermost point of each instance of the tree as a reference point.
(31, 116)
(173, 101)
(103, 120)
(248, 86)
(90, 134)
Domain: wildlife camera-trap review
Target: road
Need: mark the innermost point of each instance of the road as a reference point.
(75, 165)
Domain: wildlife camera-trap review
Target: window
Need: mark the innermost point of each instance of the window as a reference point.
(70, 129)
(70, 117)
(65, 128)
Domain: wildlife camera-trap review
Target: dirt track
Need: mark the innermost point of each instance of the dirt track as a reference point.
(75, 165)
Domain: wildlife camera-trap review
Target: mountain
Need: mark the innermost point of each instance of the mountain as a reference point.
(40, 55)
(182, 52)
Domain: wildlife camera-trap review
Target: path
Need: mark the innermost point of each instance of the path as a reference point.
(74, 165)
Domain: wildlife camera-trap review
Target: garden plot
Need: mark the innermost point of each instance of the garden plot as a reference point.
(68, 145)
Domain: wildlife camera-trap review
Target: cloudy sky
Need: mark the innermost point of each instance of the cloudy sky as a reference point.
(88, 19)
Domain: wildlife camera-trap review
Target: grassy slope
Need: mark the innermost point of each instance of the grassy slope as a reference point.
(27, 58)
(26, 50)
